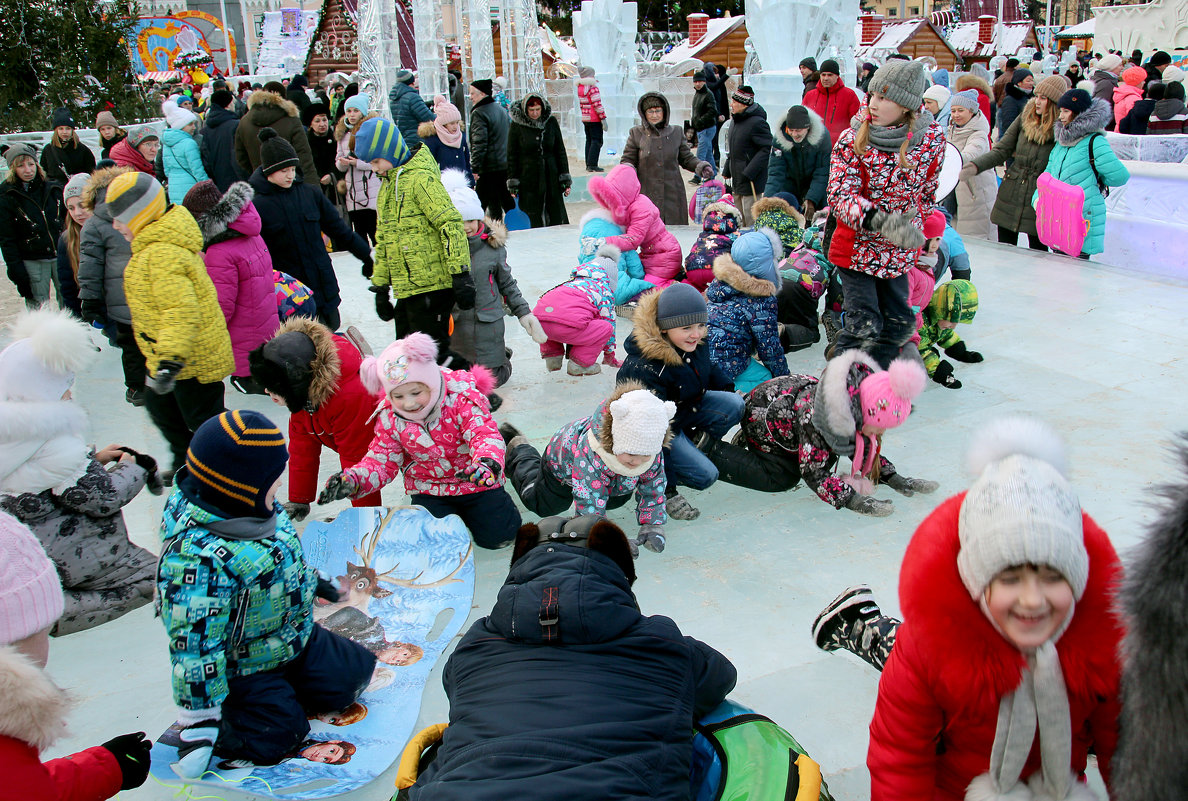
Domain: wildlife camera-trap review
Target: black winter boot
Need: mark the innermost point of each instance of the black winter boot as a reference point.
(853, 622)
(943, 375)
(962, 353)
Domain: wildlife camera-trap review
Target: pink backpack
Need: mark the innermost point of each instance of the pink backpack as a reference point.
(706, 193)
(1060, 216)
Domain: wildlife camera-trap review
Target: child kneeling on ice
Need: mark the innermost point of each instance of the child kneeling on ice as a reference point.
(435, 426)
(236, 598)
(797, 427)
(742, 310)
(578, 316)
(952, 303)
(596, 226)
(1010, 636)
(719, 229)
(667, 353)
(598, 462)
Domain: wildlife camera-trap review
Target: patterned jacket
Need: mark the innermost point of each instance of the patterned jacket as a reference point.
(577, 456)
(231, 607)
(875, 180)
(742, 319)
(954, 302)
(590, 100)
(719, 229)
(775, 213)
(593, 281)
(432, 453)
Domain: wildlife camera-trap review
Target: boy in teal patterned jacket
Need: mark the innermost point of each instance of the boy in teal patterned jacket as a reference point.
(236, 598)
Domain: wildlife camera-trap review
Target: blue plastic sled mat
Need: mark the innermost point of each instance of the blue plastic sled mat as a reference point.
(516, 220)
(407, 580)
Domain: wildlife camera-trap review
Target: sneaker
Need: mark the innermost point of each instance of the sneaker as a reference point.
(694, 181)
(679, 508)
(135, 397)
(553, 363)
(835, 624)
(573, 368)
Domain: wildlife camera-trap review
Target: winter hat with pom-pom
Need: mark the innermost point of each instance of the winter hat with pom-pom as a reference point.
(233, 461)
(405, 361)
(639, 423)
(30, 591)
(886, 396)
(135, 199)
(1021, 510)
(177, 117)
(446, 113)
(48, 347)
(465, 199)
(275, 152)
(757, 253)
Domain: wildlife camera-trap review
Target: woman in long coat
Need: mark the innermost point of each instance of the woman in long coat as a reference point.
(537, 167)
(657, 151)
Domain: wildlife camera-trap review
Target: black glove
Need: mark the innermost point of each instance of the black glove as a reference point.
(20, 276)
(368, 267)
(94, 311)
(962, 353)
(330, 317)
(327, 590)
(162, 381)
(338, 486)
(463, 290)
(383, 304)
(513, 186)
(899, 229)
(131, 752)
(943, 375)
(296, 511)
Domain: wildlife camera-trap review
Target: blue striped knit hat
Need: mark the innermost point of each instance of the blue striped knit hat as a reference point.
(380, 139)
(234, 459)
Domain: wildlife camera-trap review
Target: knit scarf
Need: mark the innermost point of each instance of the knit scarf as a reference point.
(448, 139)
(890, 139)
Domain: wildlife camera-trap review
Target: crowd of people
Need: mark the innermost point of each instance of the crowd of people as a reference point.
(170, 244)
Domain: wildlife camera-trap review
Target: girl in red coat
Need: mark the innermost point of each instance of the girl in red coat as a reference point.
(32, 707)
(1004, 673)
(315, 374)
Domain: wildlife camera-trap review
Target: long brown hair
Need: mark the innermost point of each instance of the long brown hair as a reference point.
(862, 139)
(1039, 128)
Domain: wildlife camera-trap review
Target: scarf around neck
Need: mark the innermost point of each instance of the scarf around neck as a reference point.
(448, 139)
(890, 139)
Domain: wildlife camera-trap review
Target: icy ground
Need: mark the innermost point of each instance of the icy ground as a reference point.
(1095, 351)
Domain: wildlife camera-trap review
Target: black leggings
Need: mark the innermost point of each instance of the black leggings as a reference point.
(1009, 237)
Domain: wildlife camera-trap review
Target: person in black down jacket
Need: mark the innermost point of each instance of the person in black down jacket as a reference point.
(217, 142)
(1017, 93)
(566, 690)
(294, 216)
(489, 124)
(537, 167)
(31, 214)
(65, 155)
(323, 145)
(799, 161)
(750, 147)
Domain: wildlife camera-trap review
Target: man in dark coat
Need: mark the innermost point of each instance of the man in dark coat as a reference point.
(750, 148)
(809, 74)
(704, 118)
(566, 690)
(296, 92)
(217, 143)
(488, 130)
(799, 161)
(408, 108)
(537, 166)
(324, 147)
(268, 109)
(1160, 61)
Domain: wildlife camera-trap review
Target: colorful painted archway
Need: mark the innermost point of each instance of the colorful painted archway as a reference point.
(158, 40)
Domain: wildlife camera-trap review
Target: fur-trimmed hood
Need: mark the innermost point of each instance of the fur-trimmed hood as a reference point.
(519, 111)
(426, 129)
(1088, 122)
(765, 204)
(96, 186)
(281, 372)
(817, 132)
(643, 118)
(42, 446)
(496, 233)
(265, 108)
(833, 412)
(729, 272)
(605, 439)
(975, 82)
(648, 337)
(224, 214)
(32, 708)
(616, 191)
(722, 209)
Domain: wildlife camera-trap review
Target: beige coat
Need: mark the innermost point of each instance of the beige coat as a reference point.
(975, 196)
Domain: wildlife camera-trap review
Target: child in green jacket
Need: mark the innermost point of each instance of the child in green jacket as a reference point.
(952, 303)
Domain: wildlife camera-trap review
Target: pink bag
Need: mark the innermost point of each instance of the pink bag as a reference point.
(706, 193)
(1060, 216)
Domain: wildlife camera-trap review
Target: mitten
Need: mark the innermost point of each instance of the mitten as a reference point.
(943, 375)
(163, 381)
(513, 186)
(149, 465)
(484, 472)
(910, 486)
(19, 276)
(899, 229)
(605, 125)
(809, 209)
(368, 267)
(296, 511)
(651, 536)
(131, 752)
(463, 290)
(339, 485)
(866, 505)
(383, 304)
(967, 172)
(197, 741)
(534, 329)
(94, 311)
(961, 352)
(706, 171)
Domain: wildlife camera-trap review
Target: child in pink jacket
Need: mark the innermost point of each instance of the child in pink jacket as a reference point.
(1128, 92)
(618, 192)
(435, 426)
(921, 278)
(578, 317)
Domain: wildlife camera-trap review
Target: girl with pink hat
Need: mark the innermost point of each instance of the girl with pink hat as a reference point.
(444, 137)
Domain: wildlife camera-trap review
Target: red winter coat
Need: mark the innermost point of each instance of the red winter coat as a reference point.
(835, 105)
(31, 710)
(937, 710)
(619, 193)
(341, 420)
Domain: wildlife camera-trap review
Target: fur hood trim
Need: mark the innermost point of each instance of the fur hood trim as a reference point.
(1084, 124)
(605, 440)
(519, 111)
(96, 187)
(729, 272)
(226, 211)
(724, 209)
(32, 708)
(261, 97)
(816, 132)
(648, 338)
(831, 405)
(776, 204)
(426, 129)
(597, 213)
(971, 662)
(587, 81)
(1031, 125)
(326, 366)
(496, 233)
(975, 82)
(42, 446)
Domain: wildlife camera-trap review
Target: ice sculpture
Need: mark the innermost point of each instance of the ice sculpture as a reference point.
(379, 50)
(1157, 25)
(519, 38)
(786, 31)
(605, 32)
(431, 49)
(473, 24)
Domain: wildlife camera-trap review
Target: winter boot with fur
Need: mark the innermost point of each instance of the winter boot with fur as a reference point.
(853, 622)
(573, 368)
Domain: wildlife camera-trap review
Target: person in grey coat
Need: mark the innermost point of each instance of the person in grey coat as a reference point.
(103, 252)
(408, 107)
(488, 132)
(658, 150)
(1105, 81)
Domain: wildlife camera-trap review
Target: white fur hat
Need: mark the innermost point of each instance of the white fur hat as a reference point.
(639, 423)
(465, 199)
(48, 346)
(1021, 510)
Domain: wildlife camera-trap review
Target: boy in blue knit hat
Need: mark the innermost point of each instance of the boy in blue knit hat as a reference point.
(236, 598)
(421, 251)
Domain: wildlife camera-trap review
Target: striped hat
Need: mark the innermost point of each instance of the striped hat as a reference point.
(233, 460)
(380, 139)
(135, 199)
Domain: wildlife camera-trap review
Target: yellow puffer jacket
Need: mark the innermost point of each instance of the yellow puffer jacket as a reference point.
(175, 310)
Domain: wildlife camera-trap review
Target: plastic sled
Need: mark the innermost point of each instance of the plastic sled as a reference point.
(516, 220)
(707, 192)
(412, 584)
(1060, 216)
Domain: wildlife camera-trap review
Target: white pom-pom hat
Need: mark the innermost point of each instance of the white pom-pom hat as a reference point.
(465, 199)
(49, 346)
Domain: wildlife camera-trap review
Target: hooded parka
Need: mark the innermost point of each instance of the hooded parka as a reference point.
(657, 152)
(537, 167)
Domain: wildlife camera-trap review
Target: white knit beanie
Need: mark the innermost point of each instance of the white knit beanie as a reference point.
(1021, 510)
(178, 117)
(639, 423)
(938, 93)
(30, 592)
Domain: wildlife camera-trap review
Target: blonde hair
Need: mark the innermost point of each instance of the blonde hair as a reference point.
(862, 139)
(12, 174)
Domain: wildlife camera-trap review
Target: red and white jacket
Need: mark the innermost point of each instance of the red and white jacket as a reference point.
(590, 100)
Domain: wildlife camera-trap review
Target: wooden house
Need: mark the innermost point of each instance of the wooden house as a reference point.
(878, 40)
(718, 40)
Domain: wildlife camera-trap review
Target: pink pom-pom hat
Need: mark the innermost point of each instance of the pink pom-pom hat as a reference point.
(886, 395)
